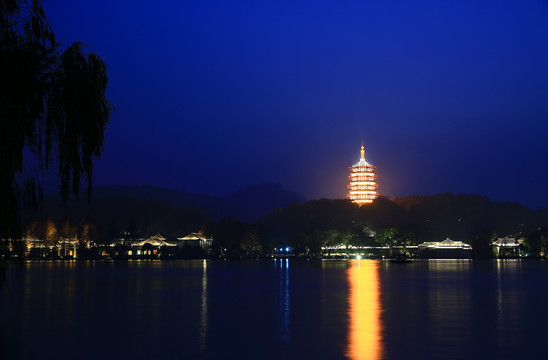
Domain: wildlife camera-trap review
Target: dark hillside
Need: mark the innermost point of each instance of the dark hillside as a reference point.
(426, 218)
(247, 204)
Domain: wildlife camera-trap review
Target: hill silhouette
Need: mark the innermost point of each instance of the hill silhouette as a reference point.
(282, 217)
(247, 204)
(428, 218)
(114, 214)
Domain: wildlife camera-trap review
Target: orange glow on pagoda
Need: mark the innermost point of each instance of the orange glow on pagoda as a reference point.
(362, 186)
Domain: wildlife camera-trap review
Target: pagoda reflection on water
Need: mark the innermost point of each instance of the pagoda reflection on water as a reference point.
(362, 186)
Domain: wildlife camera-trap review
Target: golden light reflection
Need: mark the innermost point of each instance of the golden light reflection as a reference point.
(364, 309)
(203, 308)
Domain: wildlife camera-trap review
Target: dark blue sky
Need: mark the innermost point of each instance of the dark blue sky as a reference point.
(212, 96)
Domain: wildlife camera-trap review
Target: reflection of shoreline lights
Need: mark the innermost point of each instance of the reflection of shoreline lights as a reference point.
(284, 299)
(363, 188)
(364, 309)
(203, 308)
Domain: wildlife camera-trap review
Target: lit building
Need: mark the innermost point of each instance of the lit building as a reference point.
(195, 240)
(507, 247)
(362, 187)
(446, 249)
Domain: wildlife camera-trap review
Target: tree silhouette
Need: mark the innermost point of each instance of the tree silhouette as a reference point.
(53, 111)
(536, 242)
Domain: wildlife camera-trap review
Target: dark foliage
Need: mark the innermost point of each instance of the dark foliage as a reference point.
(53, 111)
(114, 217)
(403, 221)
(536, 243)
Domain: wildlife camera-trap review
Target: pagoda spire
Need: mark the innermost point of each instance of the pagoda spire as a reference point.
(362, 152)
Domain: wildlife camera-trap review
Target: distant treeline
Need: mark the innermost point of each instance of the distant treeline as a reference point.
(306, 227)
(472, 219)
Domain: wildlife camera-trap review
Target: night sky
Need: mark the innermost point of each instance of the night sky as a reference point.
(213, 96)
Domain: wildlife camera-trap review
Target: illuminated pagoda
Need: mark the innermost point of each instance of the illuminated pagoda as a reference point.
(362, 187)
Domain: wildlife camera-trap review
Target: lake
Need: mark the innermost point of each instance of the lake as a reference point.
(275, 309)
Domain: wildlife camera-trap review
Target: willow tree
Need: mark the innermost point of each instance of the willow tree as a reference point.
(53, 112)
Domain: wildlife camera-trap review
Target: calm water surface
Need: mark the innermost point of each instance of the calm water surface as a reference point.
(284, 309)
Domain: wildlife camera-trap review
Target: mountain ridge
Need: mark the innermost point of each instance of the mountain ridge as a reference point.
(246, 204)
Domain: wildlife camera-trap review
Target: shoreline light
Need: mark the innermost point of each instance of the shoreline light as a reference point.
(362, 186)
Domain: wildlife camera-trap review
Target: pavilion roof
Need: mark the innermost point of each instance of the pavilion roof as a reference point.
(507, 241)
(156, 240)
(194, 236)
(447, 243)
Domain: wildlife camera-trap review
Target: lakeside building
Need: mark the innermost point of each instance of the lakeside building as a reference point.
(507, 247)
(155, 240)
(195, 240)
(362, 185)
(64, 248)
(149, 247)
(152, 247)
(446, 249)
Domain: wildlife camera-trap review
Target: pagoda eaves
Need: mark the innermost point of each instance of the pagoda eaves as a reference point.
(362, 185)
